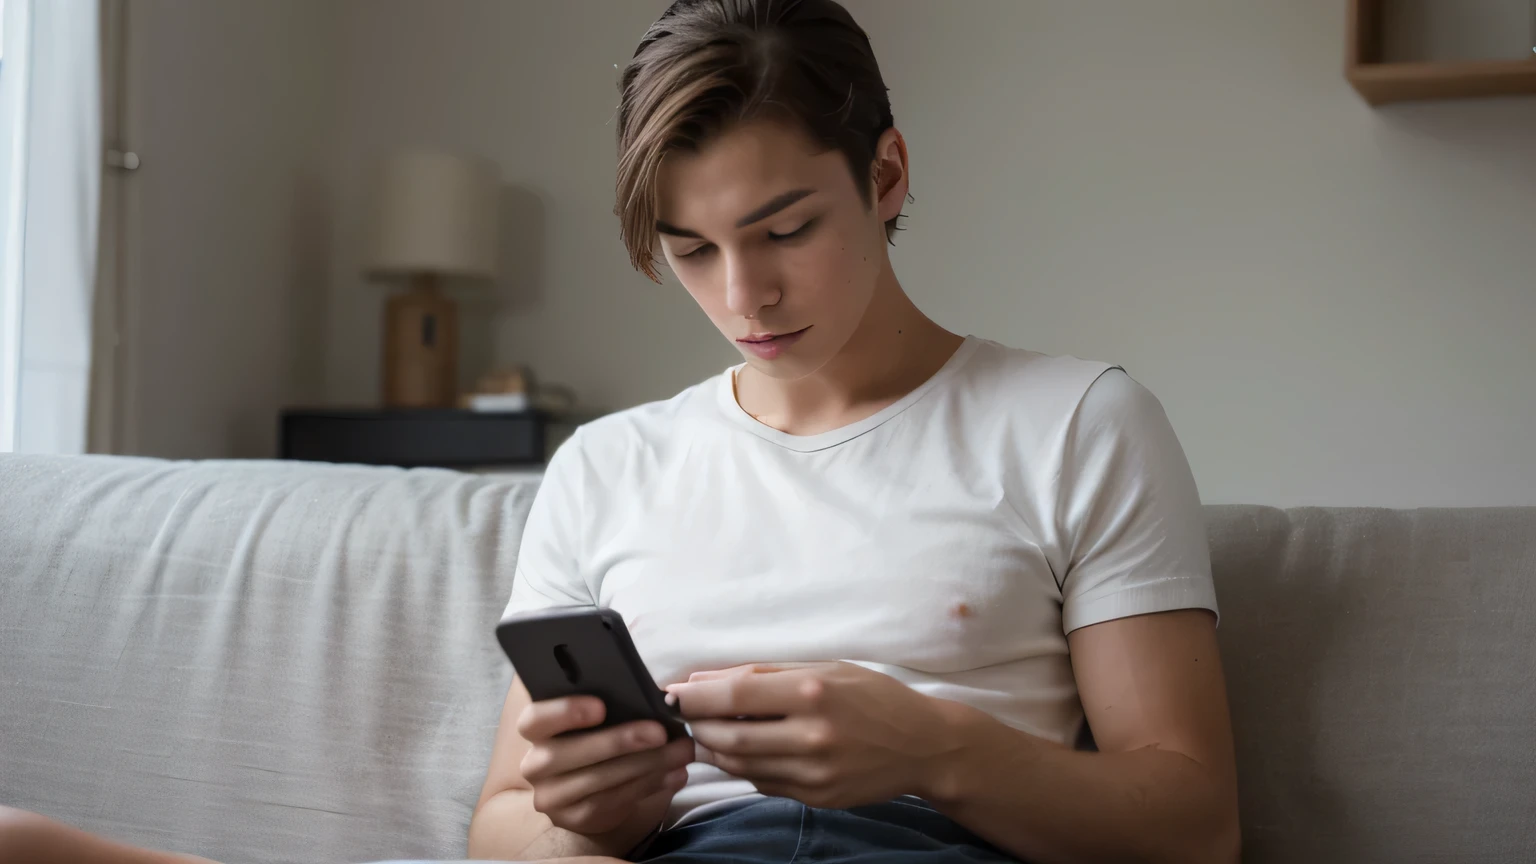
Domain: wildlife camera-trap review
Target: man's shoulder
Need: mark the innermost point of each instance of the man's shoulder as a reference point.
(621, 434)
(1018, 379)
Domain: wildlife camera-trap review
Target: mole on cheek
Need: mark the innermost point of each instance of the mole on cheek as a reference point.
(961, 610)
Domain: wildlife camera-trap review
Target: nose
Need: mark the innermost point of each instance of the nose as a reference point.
(750, 286)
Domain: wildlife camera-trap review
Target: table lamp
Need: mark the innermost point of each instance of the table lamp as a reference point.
(434, 218)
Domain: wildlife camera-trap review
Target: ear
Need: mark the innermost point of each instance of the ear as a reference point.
(890, 170)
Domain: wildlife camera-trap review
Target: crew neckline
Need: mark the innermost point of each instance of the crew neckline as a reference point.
(726, 395)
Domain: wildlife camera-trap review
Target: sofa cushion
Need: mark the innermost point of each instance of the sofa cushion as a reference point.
(288, 662)
(253, 661)
(1379, 669)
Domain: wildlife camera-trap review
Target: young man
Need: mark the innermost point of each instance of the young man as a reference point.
(890, 573)
(921, 565)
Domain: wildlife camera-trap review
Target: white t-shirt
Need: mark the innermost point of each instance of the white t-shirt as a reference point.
(951, 540)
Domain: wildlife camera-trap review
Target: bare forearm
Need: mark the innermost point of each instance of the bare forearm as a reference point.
(38, 840)
(1051, 805)
(506, 827)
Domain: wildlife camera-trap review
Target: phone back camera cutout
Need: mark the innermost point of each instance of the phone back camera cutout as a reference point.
(567, 664)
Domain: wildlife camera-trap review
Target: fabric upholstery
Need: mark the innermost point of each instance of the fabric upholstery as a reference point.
(278, 662)
(1379, 667)
(253, 661)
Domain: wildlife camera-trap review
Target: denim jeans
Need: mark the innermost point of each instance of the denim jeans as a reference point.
(781, 831)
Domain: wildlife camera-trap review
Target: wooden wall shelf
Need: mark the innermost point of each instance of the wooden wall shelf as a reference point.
(1382, 83)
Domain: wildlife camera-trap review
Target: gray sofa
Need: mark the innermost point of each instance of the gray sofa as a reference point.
(283, 662)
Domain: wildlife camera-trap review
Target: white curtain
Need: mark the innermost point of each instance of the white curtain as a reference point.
(50, 185)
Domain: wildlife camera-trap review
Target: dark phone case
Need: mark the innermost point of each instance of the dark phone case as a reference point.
(597, 642)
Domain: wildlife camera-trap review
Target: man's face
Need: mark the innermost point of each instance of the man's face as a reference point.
(775, 243)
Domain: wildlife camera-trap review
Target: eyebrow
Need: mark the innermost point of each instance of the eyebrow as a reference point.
(778, 203)
(674, 231)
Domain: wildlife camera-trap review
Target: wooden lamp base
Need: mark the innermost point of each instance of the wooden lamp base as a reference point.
(421, 347)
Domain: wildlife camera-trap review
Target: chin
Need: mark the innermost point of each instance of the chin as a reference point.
(792, 365)
(784, 368)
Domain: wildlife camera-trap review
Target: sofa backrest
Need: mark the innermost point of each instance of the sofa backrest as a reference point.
(284, 662)
(1379, 666)
(253, 661)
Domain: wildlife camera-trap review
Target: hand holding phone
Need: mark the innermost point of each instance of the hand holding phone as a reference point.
(606, 752)
(586, 651)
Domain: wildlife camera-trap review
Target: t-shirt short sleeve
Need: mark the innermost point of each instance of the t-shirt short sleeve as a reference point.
(1131, 514)
(549, 570)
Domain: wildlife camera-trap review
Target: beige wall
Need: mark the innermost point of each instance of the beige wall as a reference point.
(1336, 305)
(531, 85)
(228, 106)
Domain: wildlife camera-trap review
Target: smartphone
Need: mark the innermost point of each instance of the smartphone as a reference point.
(586, 651)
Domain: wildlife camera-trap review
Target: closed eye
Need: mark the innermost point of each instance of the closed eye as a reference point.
(698, 252)
(802, 230)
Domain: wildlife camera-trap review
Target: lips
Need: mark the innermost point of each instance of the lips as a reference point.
(770, 345)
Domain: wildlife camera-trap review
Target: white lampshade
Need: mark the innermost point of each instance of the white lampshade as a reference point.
(435, 213)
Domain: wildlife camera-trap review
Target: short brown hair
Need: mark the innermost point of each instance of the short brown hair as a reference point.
(708, 64)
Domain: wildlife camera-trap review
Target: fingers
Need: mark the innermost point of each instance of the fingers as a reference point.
(563, 755)
(623, 780)
(717, 674)
(797, 771)
(793, 736)
(751, 668)
(775, 694)
(594, 815)
(543, 720)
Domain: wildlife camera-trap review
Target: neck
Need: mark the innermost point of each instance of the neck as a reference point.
(894, 350)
